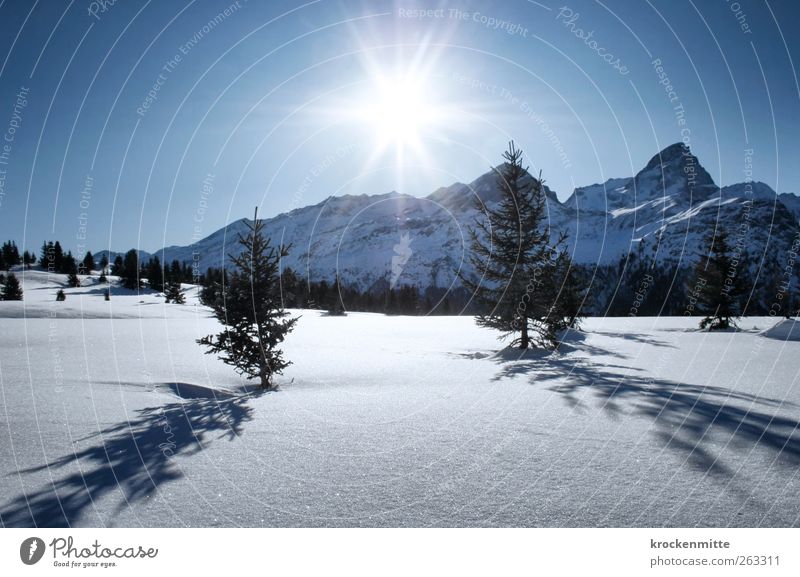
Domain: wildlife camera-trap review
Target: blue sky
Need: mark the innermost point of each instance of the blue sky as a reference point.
(115, 143)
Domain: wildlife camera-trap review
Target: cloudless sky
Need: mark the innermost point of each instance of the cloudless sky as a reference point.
(266, 104)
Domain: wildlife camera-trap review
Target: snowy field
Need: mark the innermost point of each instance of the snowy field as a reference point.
(113, 416)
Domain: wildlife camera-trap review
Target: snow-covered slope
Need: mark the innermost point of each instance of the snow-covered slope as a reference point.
(670, 205)
(88, 300)
(390, 421)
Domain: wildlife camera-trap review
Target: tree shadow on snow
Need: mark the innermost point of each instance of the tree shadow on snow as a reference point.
(135, 456)
(691, 419)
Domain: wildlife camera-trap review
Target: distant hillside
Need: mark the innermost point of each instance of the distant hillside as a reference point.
(665, 209)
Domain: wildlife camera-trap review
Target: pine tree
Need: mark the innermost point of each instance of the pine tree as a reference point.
(334, 299)
(213, 284)
(72, 280)
(47, 258)
(175, 273)
(118, 268)
(512, 254)
(88, 263)
(173, 293)
(718, 285)
(28, 259)
(12, 291)
(155, 274)
(58, 257)
(10, 254)
(60, 296)
(251, 310)
(104, 265)
(290, 285)
(68, 264)
(570, 295)
(130, 270)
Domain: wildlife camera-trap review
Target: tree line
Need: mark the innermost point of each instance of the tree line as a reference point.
(638, 285)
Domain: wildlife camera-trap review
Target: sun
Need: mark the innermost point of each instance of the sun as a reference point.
(398, 111)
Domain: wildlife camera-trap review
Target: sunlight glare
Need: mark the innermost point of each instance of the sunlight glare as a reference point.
(399, 112)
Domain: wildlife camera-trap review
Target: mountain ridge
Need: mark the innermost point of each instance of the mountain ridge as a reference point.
(669, 205)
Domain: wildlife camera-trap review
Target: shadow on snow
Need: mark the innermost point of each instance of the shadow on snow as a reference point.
(701, 422)
(135, 456)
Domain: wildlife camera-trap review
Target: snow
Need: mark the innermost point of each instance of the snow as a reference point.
(112, 415)
(785, 330)
(356, 236)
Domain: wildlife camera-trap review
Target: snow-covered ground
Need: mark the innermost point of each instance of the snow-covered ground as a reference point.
(112, 415)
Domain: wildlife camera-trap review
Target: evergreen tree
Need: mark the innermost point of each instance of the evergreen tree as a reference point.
(3, 265)
(213, 284)
(10, 254)
(718, 284)
(104, 265)
(68, 264)
(173, 293)
(28, 259)
(334, 299)
(118, 268)
(155, 274)
(88, 263)
(318, 294)
(47, 258)
(103, 278)
(60, 296)
(58, 257)
(12, 291)
(175, 273)
(570, 295)
(72, 280)
(251, 310)
(290, 288)
(511, 251)
(130, 270)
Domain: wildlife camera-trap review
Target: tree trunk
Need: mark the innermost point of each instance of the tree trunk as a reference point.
(524, 341)
(262, 373)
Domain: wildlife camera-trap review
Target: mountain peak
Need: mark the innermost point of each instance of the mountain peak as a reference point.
(675, 149)
(670, 154)
(676, 170)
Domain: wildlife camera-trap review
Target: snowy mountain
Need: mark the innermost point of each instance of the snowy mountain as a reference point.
(668, 208)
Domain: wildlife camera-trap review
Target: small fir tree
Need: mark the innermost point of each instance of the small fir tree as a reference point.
(11, 254)
(251, 310)
(58, 257)
(173, 293)
(60, 295)
(155, 274)
(12, 291)
(88, 263)
(512, 254)
(130, 270)
(720, 285)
